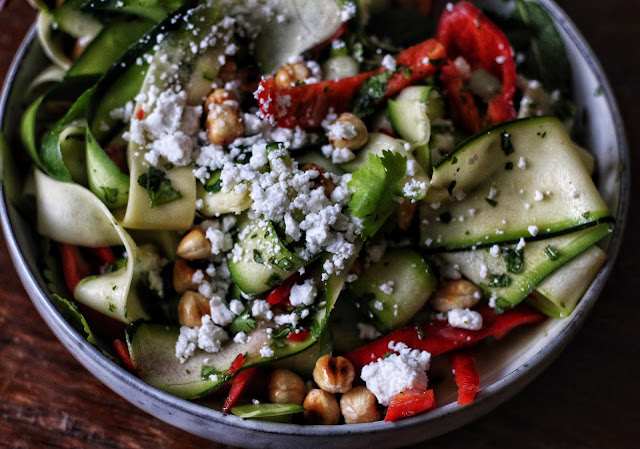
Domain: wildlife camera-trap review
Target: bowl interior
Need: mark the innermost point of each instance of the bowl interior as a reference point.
(504, 367)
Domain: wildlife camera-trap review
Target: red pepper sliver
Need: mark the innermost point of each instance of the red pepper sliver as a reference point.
(282, 291)
(123, 352)
(465, 31)
(140, 114)
(308, 105)
(404, 405)
(74, 266)
(238, 387)
(299, 336)
(438, 337)
(236, 365)
(463, 365)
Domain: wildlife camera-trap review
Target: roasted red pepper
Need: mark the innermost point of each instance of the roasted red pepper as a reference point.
(463, 365)
(307, 106)
(282, 291)
(438, 337)
(238, 387)
(465, 31)
(123, 352)
(74, 266)
(404, 405)
(299, 336)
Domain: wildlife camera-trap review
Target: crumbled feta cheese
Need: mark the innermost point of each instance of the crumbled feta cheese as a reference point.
(389, 62)
(240, 338)
(303, 294)
(538, 196)
(220, 313)
(260, 309)
(521, 244)
(290, 318)
(483, 271)
(266, 351)
(522, 163)
(533, 230)
(387, 287)
(494, 251)
(399, 372)
(465, 319)
(236, 306)
(378, 305)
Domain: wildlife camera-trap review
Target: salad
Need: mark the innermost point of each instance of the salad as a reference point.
(296, 205)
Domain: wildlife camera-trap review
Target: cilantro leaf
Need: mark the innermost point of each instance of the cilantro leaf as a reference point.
(158, 186)
(243, 323)
(375, 185)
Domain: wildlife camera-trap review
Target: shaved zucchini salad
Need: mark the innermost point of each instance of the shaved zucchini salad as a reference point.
(295, 205)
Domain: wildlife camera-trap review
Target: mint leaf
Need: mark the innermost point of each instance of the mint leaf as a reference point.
(243, 323)
(375, 186)
(158, 186)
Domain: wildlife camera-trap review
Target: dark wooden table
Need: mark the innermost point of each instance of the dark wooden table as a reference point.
(587, 399)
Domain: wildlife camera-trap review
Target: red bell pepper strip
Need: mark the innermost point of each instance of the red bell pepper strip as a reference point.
(299, 336)
(404, 405)
(238, 387)
(463, 364)
(235, 365)
(123, 352)
(465, 31)
(74, 266)
(308, 105)
(282, 291)
(438, 337)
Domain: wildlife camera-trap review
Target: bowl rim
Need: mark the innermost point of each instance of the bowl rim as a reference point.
(491, 396)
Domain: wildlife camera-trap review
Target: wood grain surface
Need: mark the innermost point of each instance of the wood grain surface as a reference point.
(587, 399)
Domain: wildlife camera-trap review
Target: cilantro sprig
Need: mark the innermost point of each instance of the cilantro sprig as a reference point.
(375, 186)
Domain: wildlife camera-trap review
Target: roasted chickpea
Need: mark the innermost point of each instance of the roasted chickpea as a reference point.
(359, 405)
(286, 387)
(321, 408)
(321, 180)
(457, 294)
(348, 131)
(194, 245)
(290, 74)
(191, 308)
(223, 123)
(405, 213)
(183, 276)
(333, 374)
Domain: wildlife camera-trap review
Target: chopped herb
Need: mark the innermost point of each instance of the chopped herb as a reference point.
(257, 256)
(110, 194)
(445, 217)
(207, 371)
(214, 183)
(450, 188)
(508, 166)
(587, 215)
(544, 134)
(598, 91)
(243, 323)
(551, 252)
(370, 93)
(505, 143)
(283, 333)
(514, 258)
(277, 343)
(454, 160)
(158, 186)
(274, 280)
(112, 307)
(499, 280)
(420, 332)
(492, 203)
(283, 263)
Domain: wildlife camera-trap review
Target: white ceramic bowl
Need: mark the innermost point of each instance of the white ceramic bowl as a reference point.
(504, 367)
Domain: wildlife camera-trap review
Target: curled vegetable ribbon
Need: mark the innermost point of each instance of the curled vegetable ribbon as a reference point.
(465, 31)
(308, 105)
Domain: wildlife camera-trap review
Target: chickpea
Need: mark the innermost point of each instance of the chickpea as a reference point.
(191, 308)
(223, 123)
(194, 245)
(359, 405)
(183, 276)
(457, 294)
(352, 132)
(290, 74)
(321, 180)
(406, 212)
(321, 408)
(286, 387)
(334, 374)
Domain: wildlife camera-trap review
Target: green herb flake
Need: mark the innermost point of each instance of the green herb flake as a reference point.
(514, 258)
(492, 203)
(499, 280)
(451, 187)
(110, 194)
(257, 256)
(508, 166)
(207, 371)
(551, 252)
(371, 92)
(274, 280)
(112, 307)
(243, 323)
(158, 186)
(505, 143)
